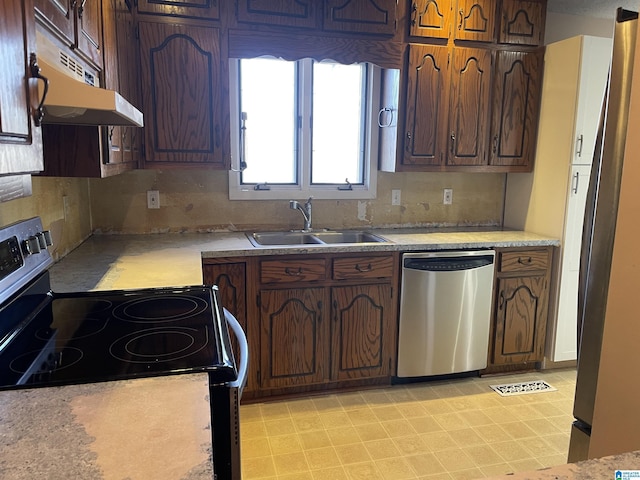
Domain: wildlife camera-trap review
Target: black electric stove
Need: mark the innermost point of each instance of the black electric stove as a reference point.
(53, 339)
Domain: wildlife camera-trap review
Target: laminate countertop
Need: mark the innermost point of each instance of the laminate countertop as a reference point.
(106, 262)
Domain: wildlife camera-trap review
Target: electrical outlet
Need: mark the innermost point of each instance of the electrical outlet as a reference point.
(153, 199)
(395, 197)
(447, 198)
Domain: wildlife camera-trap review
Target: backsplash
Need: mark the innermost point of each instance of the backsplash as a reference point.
(197, 200)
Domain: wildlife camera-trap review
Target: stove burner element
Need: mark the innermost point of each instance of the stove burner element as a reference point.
(88, 327)
(52, 362)
(162, 344)
(165, 308)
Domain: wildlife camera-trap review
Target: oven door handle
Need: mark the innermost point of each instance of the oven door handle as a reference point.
(243, 369)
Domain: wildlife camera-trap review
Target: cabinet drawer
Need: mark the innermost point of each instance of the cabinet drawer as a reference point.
(362, 267)
(524, 261)
(287, 271)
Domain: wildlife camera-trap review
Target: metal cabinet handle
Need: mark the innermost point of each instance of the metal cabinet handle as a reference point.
(575, 181)
(453, 142)
(495, 143)
(293, 272)
(81, 9)
(407, 143)
(501, 302)
(366, 268)
(526, 261)
(38, 114)
(579, 146)
(461, 19)
(388, 124)
(414, 13)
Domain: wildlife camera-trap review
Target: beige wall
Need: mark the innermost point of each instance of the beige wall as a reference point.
(197, 200)
(68, 230)
(560, 26)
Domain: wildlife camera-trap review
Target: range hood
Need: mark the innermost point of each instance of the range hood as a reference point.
(74, 97)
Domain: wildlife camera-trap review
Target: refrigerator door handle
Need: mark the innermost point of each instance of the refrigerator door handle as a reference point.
(579, 144)
(575, 181)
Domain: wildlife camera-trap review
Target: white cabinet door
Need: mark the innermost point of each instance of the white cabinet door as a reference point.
(565, 341)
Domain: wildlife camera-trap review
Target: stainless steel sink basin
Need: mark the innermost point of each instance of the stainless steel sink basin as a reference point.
(262, 239)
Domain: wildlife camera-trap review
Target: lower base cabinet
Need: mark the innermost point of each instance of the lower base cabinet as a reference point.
(521, 304)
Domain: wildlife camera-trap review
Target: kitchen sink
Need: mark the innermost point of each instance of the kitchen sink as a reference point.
(262, 239)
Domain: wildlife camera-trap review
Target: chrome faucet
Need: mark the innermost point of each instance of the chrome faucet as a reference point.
(304, 210)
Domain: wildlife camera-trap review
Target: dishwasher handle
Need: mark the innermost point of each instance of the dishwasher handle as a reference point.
(447, 264)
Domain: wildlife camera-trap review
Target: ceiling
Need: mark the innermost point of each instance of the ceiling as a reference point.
(591, 8)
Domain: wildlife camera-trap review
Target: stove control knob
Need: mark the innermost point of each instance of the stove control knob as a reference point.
(47, 237)
(41, 242)
(31, 246)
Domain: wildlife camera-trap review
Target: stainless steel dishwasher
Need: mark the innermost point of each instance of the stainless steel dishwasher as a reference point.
(445, 310)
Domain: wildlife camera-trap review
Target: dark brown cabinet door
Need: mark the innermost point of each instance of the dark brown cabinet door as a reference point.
(362, 338)
(293, 337)
(20, 138)
(431, 18)
(288, 13)
(58, 16)
(522, 22)
(475, 20)
(469, 106)
(521, 320)
(427, 105)
(516, 103)
(181, 84)
(360, 16)
(208, 9)
(89, 30)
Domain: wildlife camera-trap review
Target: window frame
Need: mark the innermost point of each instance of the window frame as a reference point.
(304, 188)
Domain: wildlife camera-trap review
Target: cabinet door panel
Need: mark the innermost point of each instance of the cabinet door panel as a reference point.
(362, 332)
(476, 20)
(431, 18)
(89, 30)
(181, 92)
(427, 94)
(58, 16)
(360, 16)
(293, 337)
(291, 13)
(516, 102)
(20, 139)
(208, 9)
(469, 111)
(521, 320)
(522, 22)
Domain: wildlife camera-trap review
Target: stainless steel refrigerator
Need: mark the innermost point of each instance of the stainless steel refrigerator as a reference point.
(601, 216)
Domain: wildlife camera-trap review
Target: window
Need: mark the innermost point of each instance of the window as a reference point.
(302, 128)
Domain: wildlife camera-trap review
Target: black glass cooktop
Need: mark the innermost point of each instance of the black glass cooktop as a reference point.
(113, 335)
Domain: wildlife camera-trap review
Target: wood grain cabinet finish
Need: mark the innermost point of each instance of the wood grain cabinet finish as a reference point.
(20, 137)
(204, 9)
(431, 18)
(294, 337)
(521, 308)
(181, 91)
(286, 13)
(78, 24)
(427, 105)
(475, 20)
(516, 103)
(362, 268)
(469, 107)
(291, 271)
(360, 16)
(522, 22)
(362, 332)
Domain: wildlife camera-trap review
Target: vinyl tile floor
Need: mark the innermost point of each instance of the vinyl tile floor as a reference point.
(453, 429)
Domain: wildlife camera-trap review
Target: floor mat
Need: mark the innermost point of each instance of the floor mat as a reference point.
(520, 388)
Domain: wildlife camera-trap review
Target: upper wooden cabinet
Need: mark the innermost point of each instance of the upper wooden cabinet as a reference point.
(431, 18)
(207, 9)
(182, 95)
(20, 137)
(360, 16)
(287, 13)
(518, 22)
(475, 20)
(354, 16)
(522, 22)
(447, 106)
(77, 24)
(516, 103)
